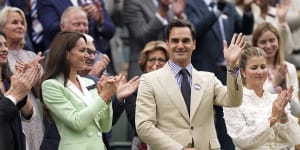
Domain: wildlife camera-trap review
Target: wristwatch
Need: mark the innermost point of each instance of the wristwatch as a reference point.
(233, 68)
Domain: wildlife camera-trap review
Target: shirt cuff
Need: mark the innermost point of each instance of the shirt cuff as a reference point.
(164, 21)
(11, 98)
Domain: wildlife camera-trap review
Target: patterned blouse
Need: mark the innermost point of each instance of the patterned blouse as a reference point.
(249, 127)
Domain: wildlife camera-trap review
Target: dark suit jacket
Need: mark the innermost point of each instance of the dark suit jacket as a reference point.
(143, 26)
(11, 137)
(207, 42)
(50, 11)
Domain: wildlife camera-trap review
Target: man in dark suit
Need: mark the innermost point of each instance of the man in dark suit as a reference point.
(101, 27)
(215, 21)
(12, 136)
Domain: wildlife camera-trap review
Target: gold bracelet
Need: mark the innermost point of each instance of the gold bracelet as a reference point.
(273, 118)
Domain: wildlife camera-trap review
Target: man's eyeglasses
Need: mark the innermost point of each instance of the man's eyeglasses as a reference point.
(159, 60)
(92, 52)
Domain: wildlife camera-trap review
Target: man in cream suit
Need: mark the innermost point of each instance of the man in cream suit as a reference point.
(169, 120)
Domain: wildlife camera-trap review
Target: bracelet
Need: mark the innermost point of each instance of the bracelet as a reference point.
(233, 68)
(273, 118)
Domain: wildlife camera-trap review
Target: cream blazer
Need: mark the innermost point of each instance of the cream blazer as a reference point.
(162, 120)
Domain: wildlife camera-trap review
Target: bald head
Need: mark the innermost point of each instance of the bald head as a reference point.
(74, 19)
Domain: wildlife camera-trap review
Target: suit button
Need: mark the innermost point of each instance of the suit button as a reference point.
(192, 128)
(90, 134)
(99, 134)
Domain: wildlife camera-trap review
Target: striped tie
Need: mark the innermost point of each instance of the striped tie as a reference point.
(36, 24)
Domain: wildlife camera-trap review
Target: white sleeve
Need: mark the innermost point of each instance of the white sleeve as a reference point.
(247, 134)
(290, 130)
(293, 81)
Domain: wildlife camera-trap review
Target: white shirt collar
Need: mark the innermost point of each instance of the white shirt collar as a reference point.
(84, 96)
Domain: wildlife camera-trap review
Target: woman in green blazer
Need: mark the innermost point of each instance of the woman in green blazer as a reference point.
(81, 115)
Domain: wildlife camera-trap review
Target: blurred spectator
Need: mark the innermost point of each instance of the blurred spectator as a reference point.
(293, 17)
(274, 2)
(146, 21)
(264, 12)
(14, 25)
(34, 37)
(101, 27)
(280, 72)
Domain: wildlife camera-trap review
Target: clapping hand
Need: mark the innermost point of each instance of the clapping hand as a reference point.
(94, 11)
(20, 66)
(22, 82)
(232, 53)
(107, 86)
(278, 107)
(124, 89)
(100, 66)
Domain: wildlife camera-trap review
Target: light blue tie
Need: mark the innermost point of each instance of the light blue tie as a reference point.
(36, 24)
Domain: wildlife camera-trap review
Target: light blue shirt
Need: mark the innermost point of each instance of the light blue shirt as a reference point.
(176, 71)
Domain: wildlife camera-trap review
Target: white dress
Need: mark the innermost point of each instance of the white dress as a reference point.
(249, 127)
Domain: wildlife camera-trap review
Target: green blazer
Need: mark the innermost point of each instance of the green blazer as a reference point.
(81, 117)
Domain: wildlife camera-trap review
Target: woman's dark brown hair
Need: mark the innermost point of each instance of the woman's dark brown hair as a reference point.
(56, 62)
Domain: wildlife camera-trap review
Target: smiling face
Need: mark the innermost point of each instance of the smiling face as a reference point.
(78, 55)
(3, 50)
(14, 28)
(269, 43)
(180, 45)
(255, 72)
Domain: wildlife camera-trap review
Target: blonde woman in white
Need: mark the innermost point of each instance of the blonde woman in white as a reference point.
(263, 120)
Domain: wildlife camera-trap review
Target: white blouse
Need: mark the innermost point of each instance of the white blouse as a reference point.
(249, 127)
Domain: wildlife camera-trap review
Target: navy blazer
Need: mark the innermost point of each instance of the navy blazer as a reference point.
(12, 136)
(50, 11)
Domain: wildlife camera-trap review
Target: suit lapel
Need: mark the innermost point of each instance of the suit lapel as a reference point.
(168, 80)
(197, 91)
(85, 96)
